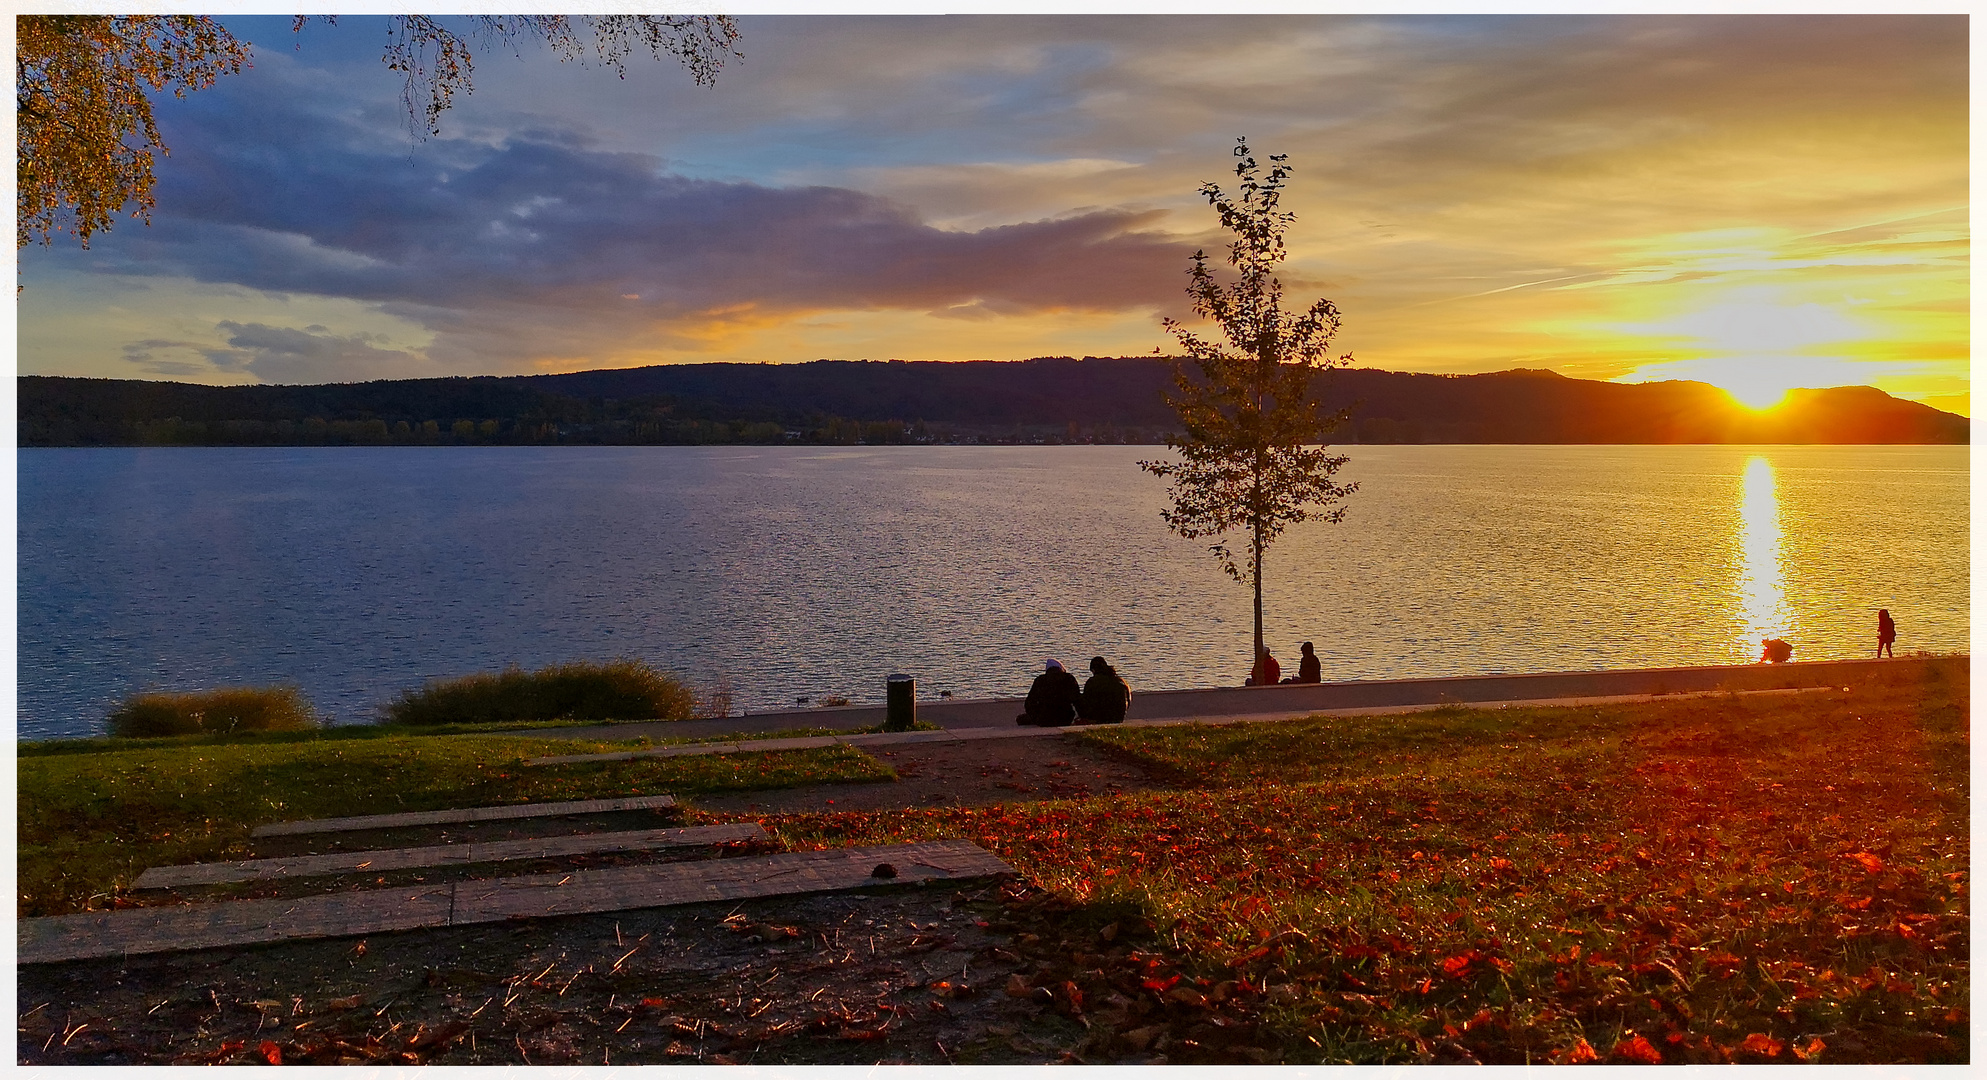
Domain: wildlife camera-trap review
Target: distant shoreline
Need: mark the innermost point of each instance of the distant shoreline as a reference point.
(1044, 401)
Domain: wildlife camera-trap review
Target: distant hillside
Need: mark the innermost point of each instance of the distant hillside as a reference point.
(1050, 399)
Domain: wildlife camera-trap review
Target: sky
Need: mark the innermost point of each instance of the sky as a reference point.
(1754, 201)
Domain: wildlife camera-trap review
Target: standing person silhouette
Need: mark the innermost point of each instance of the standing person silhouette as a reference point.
(1886, 633)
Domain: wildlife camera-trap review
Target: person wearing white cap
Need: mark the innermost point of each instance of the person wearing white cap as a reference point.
(1052, 699)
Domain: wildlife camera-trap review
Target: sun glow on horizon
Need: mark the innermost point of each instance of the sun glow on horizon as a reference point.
(1756, 345)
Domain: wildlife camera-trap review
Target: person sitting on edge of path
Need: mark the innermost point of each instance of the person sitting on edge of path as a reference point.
(1267, 671)
(1053, 698)
(1774, 651)
(1308, 668)
(1886, 633)
(1106, 695)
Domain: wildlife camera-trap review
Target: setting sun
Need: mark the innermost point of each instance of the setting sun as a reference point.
(1756, 344)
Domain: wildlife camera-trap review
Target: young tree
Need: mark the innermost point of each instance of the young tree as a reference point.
(85, 135)
(1252, 453)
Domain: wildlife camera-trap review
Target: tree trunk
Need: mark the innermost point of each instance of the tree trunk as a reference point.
(1256, 571)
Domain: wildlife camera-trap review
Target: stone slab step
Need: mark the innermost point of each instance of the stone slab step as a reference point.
(468, 814)
(497, 851)
(97, 935)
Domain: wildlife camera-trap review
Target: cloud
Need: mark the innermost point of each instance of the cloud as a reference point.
(1475, 192)
(277, 354)
(144, 356)
(513, 250)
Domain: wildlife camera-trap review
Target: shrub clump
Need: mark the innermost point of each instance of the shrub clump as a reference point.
(581, 690)
(214, 712)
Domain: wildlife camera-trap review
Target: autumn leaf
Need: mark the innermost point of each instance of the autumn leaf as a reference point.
(1637, 1051)
(1869, 862)
(1762, 1044)
(1582, 1053)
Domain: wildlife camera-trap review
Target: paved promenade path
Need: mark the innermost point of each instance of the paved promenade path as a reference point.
(994, 719)
(1345, 698)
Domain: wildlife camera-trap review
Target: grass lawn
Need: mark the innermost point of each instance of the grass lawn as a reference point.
(93, 817)
(1743, 879)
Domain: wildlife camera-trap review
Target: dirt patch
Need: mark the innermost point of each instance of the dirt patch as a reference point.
(961, 774)
(913, 975)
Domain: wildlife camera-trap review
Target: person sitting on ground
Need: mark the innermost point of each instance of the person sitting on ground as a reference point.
(1308, 668)
(1106, 695)
(1053, 698)
(1886, 633)
(1267, 671)
(1775, 651)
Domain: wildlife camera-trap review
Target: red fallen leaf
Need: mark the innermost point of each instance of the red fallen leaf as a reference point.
(655, 1003)
(1582, 1053)
(1762, 1044)
(1637, 1050)
(1160, 986)
(1811, 1051)
(1455, 966)
(270, 1052)
(1869, 862)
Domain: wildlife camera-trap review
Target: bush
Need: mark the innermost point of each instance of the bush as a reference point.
(619, 690)
(238, 708)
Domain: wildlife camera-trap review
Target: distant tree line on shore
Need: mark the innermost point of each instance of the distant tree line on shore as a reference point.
(838, 402)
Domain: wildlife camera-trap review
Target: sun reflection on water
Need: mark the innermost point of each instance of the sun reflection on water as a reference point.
(1763, 610)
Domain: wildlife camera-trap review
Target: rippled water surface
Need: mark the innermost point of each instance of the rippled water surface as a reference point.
(794, 571)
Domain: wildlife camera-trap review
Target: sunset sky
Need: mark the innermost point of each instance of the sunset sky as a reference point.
(1758, 201)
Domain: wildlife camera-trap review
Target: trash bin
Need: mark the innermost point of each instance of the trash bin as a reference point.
(900, 711)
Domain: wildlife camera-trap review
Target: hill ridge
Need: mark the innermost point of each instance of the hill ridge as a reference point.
(1042, 399)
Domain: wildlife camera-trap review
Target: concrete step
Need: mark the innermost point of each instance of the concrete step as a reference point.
(466, 815)
(436, 855)
(184, 927)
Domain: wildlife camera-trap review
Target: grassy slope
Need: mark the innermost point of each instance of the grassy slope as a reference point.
(1706, 880)
(91, 820)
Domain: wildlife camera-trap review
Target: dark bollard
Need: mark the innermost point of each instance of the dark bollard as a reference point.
(900, 711)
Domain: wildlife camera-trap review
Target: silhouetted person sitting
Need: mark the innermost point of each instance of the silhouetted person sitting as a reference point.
(1775, 651)
(1266, 672)
(1886, 633)
(1106, 696)
(1052, 699)
(1308, 668)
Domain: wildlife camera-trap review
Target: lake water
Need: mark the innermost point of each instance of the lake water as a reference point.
(807, 571)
